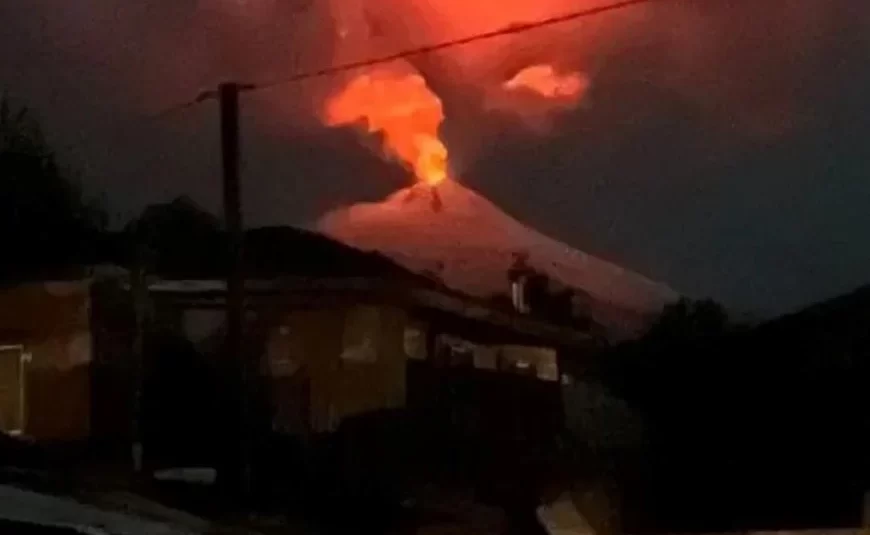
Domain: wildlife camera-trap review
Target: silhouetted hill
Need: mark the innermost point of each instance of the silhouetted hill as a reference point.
(843, 319)
(760, 429)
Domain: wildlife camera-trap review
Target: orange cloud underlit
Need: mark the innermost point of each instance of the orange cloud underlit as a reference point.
(547, 83)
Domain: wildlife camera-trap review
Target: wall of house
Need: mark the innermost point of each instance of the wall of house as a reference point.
(112, 380)
(541, 362)
(51, 321)
(368, 384)
(345, 360)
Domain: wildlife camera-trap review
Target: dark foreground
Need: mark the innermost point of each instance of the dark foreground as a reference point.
(22, 528)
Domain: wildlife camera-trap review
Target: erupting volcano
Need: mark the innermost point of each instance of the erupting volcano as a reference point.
(440, 227)
(470, 244)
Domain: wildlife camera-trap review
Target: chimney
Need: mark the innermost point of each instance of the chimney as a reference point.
(518, 275)
(518, 295)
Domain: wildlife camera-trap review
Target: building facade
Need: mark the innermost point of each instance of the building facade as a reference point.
(45, 356)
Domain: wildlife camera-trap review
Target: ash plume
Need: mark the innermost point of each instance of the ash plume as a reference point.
(748, 63)
(748, 68)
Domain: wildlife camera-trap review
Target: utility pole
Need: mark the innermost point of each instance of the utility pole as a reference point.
(139, 292)
(865, 513)
(228, 95)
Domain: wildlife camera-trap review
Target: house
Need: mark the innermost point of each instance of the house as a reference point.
(46, 348)
(44, 351)
(354, 339)
(334, 333)
(337, 332)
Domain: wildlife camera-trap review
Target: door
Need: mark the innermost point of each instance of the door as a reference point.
(11, 389)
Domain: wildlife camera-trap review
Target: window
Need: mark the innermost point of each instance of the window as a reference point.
(200, 325)
(486, 358)
(414, 343)
(283, 352)
(455, 352)
(524, 360)
(361, 334)
(12, 406)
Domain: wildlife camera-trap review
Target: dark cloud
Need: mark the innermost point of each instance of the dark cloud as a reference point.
(752, 193)
(721, 148)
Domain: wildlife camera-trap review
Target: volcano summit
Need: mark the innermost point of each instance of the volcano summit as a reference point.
(470, 244)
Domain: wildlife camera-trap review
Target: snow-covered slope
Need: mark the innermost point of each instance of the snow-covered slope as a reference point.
(471, 244)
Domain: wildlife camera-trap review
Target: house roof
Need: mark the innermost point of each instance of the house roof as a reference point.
(299, 261)
(271, 252)
(422, 297)
(288, 259)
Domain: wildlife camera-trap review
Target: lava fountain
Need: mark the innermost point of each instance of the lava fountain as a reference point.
(398, 104)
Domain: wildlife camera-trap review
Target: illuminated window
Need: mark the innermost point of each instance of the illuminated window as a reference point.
(361, 334)
(415, 343)
(12, 402)
(538, 361)
(201, 325)
(486, 358)
(283, 352)
(455, 351)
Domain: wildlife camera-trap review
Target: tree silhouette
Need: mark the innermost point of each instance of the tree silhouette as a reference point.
(47, 227)
(175, 237)
(688, 319)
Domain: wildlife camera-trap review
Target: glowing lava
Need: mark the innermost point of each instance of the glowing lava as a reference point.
(401, 107)
(546, 82)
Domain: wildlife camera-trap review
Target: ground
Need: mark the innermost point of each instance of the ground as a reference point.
(22, 528)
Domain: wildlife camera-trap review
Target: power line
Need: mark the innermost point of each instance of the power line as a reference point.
(512, 29)
(202, 97)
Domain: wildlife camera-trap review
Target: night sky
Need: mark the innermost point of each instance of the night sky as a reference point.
(722, 148)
